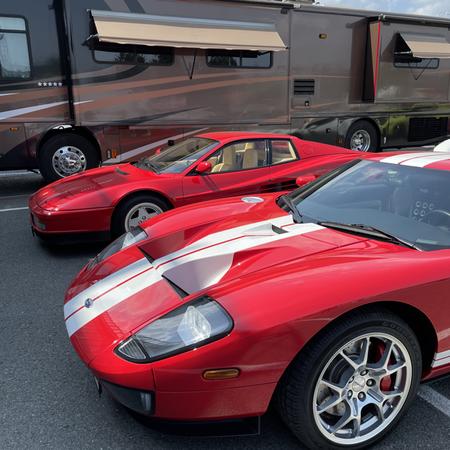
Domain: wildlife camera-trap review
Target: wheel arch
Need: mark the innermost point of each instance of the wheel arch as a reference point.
(137, 192)
(370, 120)
(68, 129)
(418, 321)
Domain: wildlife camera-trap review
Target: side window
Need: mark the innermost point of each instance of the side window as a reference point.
(404, 58)
(14, 53)
(282, 151)
(235, 59)
(243, 155)
(132, 54)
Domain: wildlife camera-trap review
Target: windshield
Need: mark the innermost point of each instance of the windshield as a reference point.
(410, 203)
(178, 157)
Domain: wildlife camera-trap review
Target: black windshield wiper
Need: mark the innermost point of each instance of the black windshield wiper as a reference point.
(370, 231)
(298, 218)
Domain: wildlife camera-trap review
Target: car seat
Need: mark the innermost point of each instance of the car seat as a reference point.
(228, 161)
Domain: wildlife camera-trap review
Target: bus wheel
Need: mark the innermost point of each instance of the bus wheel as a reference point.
(363, 137)
(66, 154)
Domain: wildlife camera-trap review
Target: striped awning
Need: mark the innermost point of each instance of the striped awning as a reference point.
(425, 46)
(169, 31)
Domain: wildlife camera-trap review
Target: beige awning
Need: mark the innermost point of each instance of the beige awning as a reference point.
(168, 31)
(423, 46)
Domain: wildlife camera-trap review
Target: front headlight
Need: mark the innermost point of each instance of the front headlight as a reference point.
(132, 237)
(190, 326)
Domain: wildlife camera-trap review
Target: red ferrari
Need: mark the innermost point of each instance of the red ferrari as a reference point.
(114, 199)
(331, 301)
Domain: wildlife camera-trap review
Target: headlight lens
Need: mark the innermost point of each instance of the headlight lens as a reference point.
(189, 326)
(124, 241)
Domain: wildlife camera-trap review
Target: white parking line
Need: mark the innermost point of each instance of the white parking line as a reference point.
(16, 174)
(23, 208)
(434, 398)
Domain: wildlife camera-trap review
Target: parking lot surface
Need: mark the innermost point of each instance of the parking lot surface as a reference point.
(48, 398)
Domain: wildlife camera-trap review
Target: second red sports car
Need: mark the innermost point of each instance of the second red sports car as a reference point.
(111, 200)
(333, 301)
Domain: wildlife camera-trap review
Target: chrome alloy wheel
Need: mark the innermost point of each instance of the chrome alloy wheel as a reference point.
(140, 213)
(362, 388)
(360, 141)
(68, 160)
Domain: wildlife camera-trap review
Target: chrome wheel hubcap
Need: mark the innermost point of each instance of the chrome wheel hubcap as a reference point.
(360, 141)
(140, 213)
(362, 389)
(68, 160)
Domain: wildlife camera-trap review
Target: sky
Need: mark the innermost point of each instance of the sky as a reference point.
(439, 8)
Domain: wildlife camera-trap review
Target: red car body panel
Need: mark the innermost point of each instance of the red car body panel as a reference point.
(280, 289)
(85, 202)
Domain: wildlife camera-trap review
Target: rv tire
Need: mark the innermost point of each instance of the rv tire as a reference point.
(66, 154)
(362, 136)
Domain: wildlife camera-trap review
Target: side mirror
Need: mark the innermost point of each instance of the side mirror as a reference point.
(203, 167)
(303, 180)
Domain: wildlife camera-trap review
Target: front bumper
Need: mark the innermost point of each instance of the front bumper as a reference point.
(250, 401)
(47, 223)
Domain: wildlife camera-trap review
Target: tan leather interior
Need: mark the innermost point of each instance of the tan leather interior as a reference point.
(250, 158)
(228, 161)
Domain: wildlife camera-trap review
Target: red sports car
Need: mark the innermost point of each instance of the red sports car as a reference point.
(332, 300)
(114, 199)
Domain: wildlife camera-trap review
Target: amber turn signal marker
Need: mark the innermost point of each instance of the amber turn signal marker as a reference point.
(220, 374)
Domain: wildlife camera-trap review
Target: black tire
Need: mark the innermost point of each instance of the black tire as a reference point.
(366, 128)
(295, 394)
(89, 155)
(118, 226)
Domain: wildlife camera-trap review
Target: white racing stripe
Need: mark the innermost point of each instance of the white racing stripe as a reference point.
(194, 267)
(200, 269)
(417, 159)
(426, 160)
(441, 359)
(106, 284)
(398, 159)
(110, 299)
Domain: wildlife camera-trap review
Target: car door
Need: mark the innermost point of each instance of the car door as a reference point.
(238, 168)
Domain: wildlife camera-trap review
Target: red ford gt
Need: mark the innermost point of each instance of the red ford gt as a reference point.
(332, 300)
(111, 200)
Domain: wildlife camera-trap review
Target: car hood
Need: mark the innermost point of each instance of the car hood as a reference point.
(109, 301)
(93, 188)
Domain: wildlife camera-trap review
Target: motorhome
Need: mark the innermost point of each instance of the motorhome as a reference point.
(90, 81)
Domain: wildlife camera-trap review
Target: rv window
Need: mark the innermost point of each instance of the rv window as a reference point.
(132, 54)
(14, 50)
(239, 59)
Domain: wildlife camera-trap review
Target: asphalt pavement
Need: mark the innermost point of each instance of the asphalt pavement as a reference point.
(48, 398)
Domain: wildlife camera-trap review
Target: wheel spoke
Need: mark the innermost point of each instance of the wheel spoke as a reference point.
(344, 420)
(392, 394)
(395, 368)
(334, 387)
(365, 351)
(329, 403)
(350, 361)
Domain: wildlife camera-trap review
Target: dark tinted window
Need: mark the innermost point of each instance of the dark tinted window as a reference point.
(132, 54)
(14, 53)
(239, 59)
(416, 63)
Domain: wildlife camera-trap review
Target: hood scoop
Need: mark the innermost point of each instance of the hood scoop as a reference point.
(208, 260)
